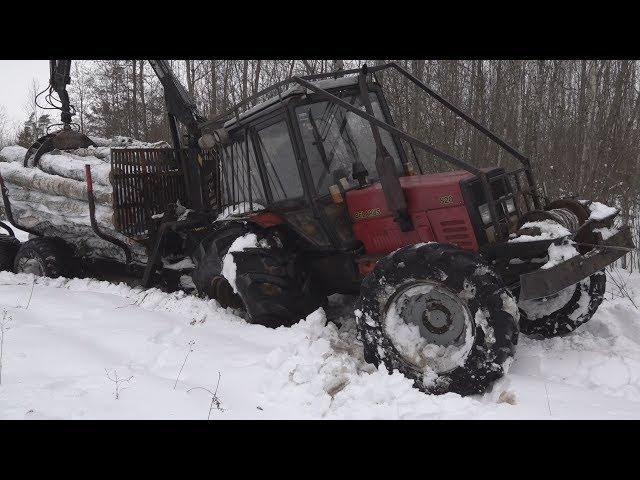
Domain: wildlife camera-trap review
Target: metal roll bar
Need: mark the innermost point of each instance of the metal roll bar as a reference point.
(92, 216)
(306, 82)
(9, 213)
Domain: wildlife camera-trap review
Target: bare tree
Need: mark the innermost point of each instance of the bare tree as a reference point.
(118, 382)
(4, 131)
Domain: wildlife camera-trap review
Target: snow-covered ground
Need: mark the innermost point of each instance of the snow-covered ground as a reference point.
(67, 339)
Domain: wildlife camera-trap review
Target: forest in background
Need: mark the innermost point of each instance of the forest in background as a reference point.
(578, 120)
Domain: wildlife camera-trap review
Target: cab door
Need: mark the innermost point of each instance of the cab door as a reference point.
(283, 177)
(332, 141)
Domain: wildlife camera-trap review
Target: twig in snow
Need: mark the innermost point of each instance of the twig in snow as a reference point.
(144, 297)
(191, 345)
(33, 284)
(126, 305)
(547, 394)
(136, 303)
(4, 326)
(215, 401)
(117, 382)
(621, 285)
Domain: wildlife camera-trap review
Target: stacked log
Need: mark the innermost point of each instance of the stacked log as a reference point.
(52, 200)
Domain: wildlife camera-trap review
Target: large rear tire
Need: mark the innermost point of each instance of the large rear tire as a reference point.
(275, 287)
(45, 257)
(440, 316)
(272, 284)
(565, 311)
(207, 276)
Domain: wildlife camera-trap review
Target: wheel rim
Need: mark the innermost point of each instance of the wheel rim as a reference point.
(31, 265)
(540, 308)
(430, 326)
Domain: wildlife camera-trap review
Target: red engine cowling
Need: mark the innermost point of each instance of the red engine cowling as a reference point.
(436, 207)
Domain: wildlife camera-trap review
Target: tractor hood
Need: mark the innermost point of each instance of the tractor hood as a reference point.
(422, 192)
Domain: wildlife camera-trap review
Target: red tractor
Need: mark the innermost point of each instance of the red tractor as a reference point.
(313, 192)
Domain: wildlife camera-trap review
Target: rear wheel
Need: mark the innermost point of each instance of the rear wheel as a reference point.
(565, 311)
(207, 276)
(8, 248)
(271, 283)
(45, 257)
(440, 316)
(275, 288)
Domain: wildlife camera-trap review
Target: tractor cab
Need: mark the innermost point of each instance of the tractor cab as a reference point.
(301, 156)
(314, 163)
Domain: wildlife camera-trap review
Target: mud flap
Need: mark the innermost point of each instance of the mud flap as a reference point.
(545, 282)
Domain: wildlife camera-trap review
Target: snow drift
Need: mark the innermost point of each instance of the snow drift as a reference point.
(58, 348)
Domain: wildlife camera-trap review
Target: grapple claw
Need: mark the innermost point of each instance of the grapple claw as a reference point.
(65, 139)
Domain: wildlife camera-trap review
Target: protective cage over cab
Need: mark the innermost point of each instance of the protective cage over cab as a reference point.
(306, 157)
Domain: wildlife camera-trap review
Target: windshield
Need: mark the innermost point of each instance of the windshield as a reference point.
(335, 138)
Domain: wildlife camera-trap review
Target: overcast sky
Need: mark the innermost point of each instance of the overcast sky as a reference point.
(15, 79)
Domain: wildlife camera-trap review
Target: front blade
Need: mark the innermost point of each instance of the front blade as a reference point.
(542, 283)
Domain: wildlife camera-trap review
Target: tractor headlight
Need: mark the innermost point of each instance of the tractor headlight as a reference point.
(511, 207)
(484, 213)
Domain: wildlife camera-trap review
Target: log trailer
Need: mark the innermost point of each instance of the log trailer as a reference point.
(307, 189)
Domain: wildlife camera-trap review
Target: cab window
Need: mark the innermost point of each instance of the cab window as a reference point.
(334, 139)
(279, 161)
(241, 181)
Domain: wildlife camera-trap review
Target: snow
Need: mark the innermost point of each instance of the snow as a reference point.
(327, 83)
(13, 153)
(548, 230)
(19, 234)
(606, 232)
(600, 211)
(229, 268)
(238, 209)
(120, 141)
(184, 264)
(559, 253)
(61, 342)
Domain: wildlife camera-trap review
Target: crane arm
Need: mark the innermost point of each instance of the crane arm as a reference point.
(179, 103)
(59, 78)
(180, 106)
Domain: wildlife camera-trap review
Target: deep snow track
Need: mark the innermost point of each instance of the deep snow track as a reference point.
(57, 350)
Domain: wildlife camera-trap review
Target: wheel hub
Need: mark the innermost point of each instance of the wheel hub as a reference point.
(437, 318)
(438, 313)
(31, 265)
(430, 326)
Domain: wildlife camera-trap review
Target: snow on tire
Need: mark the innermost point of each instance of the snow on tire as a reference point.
(268, 280)
(562, 313)
(440, 316)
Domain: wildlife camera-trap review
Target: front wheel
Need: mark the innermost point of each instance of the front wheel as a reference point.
(562, 313)
(440, 316)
